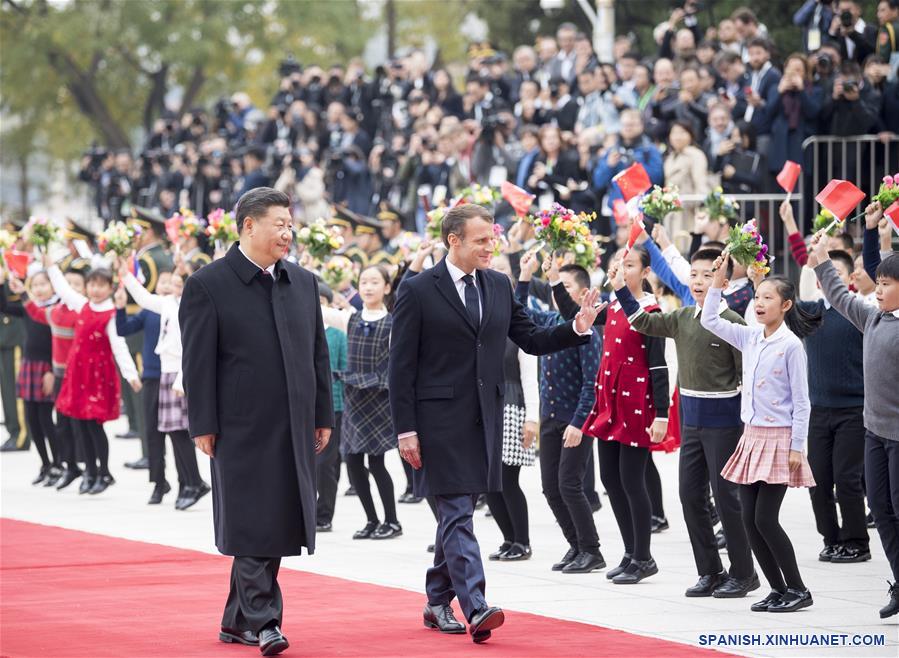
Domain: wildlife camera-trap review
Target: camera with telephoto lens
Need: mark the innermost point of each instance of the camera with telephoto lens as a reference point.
(846, 18)
(850, 86)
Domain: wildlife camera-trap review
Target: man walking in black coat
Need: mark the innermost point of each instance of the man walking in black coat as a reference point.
(450, 326)
(258, 385)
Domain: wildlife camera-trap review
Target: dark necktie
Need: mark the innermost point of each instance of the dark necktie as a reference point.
(266, 280)
(472, 304)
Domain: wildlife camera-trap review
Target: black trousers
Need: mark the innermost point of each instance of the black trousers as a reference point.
(836, 453)
(66, 438)
(882, 482)
(149, 399)
(772, 547)
(562, 473)
(703, 453)
(510, 507)
(39, 418)
(622, 470)
(327, 466)
(654, 488)
(254, 600)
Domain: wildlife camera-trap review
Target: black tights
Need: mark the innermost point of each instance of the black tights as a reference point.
(654, 488)
(96, 446)
(768, 540)
(510, 508)
(622, 470)
(355, 467)
(39, 418)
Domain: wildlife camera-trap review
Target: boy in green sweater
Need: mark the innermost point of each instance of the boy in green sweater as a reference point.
(709, 382)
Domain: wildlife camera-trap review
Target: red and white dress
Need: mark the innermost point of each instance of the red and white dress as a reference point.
(624, 409)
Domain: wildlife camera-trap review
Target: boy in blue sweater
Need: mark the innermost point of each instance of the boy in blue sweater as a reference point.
(836, 433)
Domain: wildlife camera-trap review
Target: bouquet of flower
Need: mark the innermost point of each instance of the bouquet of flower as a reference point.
(660, 201)
(587, 252)
(7, 239)
(560, 228)
(889, 191)
(319, 239)
(337, 272)
(409, 242)
(189, 225)
(745, 246)
(435, 222)
(481, 195)
(118, 238)
(498, 239)
(41, 231)
(721, 208)
(825, 220)
(221, 227)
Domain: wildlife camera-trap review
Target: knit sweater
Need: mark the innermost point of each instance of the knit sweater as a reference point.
(835, 377)
(881, 352)
(708, 368)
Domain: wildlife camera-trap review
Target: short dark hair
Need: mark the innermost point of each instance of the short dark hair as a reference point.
(744, 15)
(711, 254)
(256, 202)
(848, 242)
(580, 274)
(455, 219)
(843, 257)
(759, 42)
(888, 268)
(99, 274)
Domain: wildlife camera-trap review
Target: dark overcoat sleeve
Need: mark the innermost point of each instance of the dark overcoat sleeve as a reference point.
(534, 339)
(324, 405)
(199, 337)
(403, 363)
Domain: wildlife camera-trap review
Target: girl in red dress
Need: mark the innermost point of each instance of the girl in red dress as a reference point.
(90, 390)
(630, 416)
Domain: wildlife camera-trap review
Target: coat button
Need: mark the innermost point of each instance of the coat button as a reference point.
(480, 382)
(479, 344)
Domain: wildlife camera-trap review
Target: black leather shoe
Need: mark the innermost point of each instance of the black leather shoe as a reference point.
(387, 531)
(41, 475)
(720, 539)
(735, 588)
(442, 618)
(130, 434)
(767, 602)
(68, 477)
(569, 556)
(827, 553)
(10, 446)
(431, 548)
(614, 571)
(869, 520)
(792, 601)
(138, 464)
(636, 571)
(484, 621)
(498, 553)
(351, 491)
(192, 495)
(160, 490)
(87, 482)
(659, 523)
(102, 484)
(272, 641)
(367, 531)
(516, 552)
(53, 476)
(323, 527)
(585, 563)
(232, 636)
(892, 607)
(706, 585)
(409, 498)
(481, 501)
(849, 554)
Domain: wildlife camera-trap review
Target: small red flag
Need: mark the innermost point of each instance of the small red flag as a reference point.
(637, 228)
(519, 199)
(633, 181)
(892, 214)
(17, 262)
(840, 197)
(789, 175)
(619, 212)
(172, 226)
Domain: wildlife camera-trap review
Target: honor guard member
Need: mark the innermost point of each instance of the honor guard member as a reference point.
(12, 335)
(391, 230)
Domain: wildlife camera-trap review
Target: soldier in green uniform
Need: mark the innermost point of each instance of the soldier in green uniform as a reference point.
(12, 335)
(888, 34)
(152, 258)
(391, 231)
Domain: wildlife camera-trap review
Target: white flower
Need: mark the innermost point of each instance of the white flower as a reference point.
(304, 233)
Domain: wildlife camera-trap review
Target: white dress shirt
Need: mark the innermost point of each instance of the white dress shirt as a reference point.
(457, 276)
(270, 269)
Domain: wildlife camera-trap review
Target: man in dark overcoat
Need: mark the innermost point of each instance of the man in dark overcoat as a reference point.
(450, 327)
(258, 385)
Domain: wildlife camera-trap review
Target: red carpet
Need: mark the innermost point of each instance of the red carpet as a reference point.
(71, 594)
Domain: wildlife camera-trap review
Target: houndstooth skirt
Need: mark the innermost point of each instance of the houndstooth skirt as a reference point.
(172, 408)
(514, 452)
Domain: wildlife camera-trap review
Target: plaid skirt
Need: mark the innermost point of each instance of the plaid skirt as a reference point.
(29, 385)
(763, 455)
(172, 408)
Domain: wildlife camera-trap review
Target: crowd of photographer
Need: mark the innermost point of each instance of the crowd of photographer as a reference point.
(707, 105)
